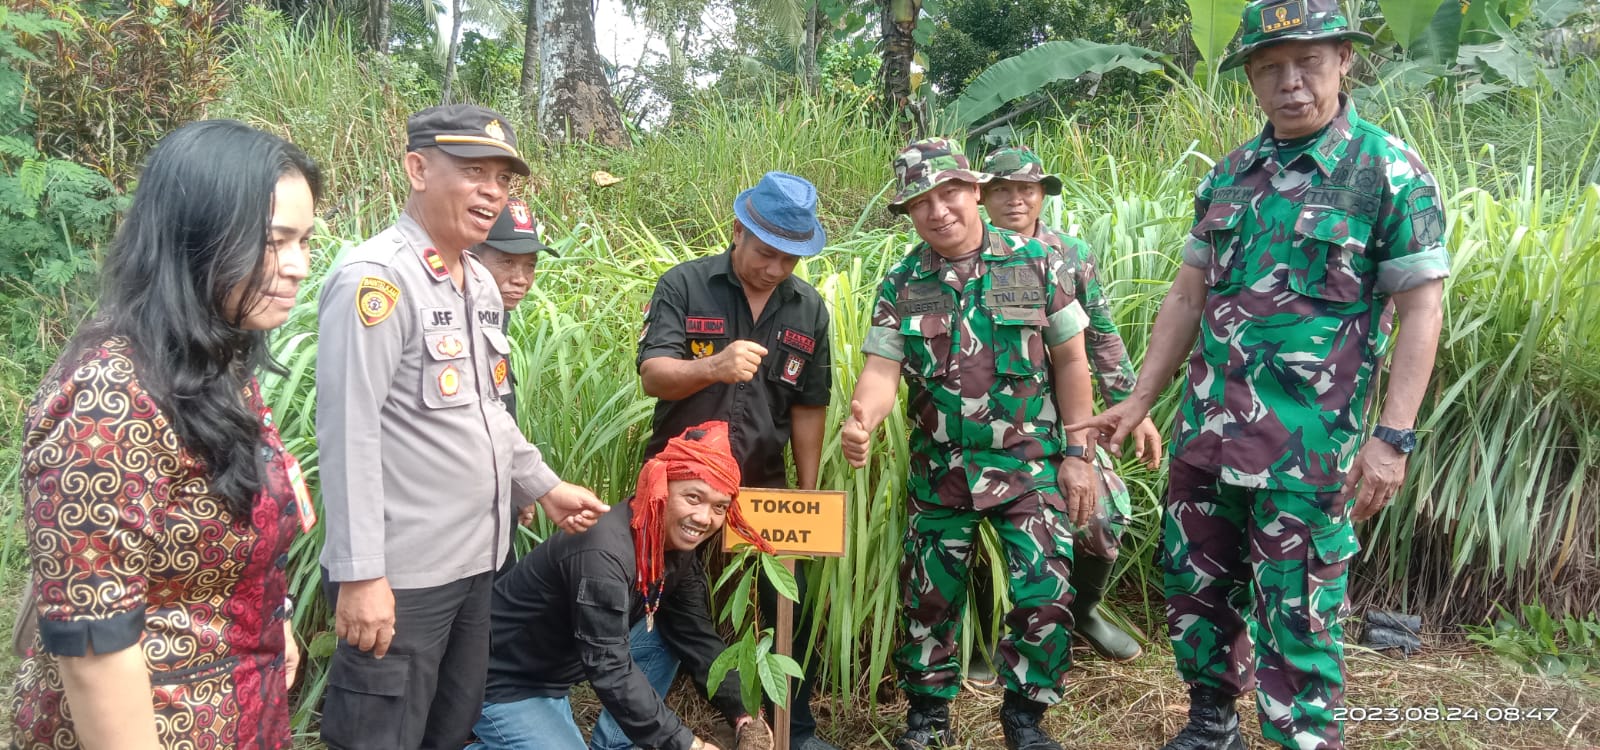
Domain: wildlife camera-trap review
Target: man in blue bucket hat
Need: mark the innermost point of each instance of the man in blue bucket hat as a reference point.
(736, 337)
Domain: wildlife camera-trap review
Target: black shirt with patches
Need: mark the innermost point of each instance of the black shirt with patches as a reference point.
(698, 309)
(562, 616)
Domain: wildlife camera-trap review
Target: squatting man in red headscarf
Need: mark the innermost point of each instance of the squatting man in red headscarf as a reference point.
(620, 606)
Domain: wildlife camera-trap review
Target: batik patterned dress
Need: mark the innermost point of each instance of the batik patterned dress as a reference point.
(130, 548)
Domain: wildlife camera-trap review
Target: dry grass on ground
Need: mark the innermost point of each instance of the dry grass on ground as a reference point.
(1139, 706)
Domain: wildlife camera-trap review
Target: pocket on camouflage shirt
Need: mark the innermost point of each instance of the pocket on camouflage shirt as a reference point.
(1219, 228)
(1330, 260)
(927, 344)
(1018, 337)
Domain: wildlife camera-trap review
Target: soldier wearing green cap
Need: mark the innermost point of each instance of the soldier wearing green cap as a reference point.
(1303, 238)
(991, 344)
(1014, 199)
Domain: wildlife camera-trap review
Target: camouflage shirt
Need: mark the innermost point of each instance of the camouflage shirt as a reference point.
(1108, 358)
(973, 347)
(1300, 259)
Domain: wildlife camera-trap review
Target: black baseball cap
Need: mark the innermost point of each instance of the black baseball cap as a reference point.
(465, 130)
(516, 232)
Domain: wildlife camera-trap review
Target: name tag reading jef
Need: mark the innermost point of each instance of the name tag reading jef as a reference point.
(795, 522)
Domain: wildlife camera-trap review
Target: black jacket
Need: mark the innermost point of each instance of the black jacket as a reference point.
(562, 616)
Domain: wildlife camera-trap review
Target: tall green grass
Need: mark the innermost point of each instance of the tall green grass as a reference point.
(1501, 499)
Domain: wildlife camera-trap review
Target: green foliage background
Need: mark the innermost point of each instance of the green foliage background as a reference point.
(1501, 505)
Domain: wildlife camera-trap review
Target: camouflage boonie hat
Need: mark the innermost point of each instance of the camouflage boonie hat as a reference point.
(927, 163)
(1268, 22)
(1020, 164)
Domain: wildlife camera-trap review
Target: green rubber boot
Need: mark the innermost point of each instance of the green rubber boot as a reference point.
(1089, 577)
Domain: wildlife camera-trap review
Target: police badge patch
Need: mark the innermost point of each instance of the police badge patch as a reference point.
(792, 367)
(449, 347)
(449, 381)
(375, 300)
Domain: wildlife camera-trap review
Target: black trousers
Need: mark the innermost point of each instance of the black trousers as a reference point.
(427, 692)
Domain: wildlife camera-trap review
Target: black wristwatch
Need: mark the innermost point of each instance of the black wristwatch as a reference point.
(1077, 451)
(1404, 441)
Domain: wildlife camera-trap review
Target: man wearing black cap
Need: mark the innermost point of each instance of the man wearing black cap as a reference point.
(511, 253)
(421, 464)
(737, 337)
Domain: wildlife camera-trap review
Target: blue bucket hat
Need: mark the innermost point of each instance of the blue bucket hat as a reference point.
(782, 211)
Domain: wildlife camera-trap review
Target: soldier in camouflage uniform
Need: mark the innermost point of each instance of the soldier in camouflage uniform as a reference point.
(1302, 237)
(1014, 198)
(992, 347)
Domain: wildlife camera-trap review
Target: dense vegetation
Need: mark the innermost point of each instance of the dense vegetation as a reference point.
(1501, 502)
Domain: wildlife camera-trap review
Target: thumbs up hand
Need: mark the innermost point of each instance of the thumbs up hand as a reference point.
(855, 437)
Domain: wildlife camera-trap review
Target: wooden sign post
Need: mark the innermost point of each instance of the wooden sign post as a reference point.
(796, 522)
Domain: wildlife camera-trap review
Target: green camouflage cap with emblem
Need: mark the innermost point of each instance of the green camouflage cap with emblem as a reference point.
(1020, 164)
(926, 164)
(1268, 22)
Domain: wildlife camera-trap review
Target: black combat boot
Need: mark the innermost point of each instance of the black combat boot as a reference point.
(1213, 723)
(1089, 577)
(1019, 719)
(927, 724)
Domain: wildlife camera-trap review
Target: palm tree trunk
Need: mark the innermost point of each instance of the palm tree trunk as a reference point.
(376, 29)
(446, 88)
(808, 52)
(528, 85)
(575, 102)
(899, 49)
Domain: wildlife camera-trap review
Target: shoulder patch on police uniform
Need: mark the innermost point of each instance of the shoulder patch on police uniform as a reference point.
(375, 300)
(435, 262)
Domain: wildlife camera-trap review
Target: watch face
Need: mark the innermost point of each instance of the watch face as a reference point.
(1404, 441)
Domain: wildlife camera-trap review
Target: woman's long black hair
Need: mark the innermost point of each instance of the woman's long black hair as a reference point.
(198, 228)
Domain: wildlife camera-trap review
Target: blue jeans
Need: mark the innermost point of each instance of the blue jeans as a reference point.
(547, 723)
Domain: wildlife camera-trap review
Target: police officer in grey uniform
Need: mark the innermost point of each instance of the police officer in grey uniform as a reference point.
(421, 465)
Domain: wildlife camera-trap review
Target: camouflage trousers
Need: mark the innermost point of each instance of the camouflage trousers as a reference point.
(1102, 535)
(1267, 568)
(1035, 653)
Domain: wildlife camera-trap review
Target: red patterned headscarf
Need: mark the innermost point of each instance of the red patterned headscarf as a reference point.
(702, 452)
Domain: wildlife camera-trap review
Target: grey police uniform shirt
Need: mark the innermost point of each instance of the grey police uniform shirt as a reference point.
(421, 465)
